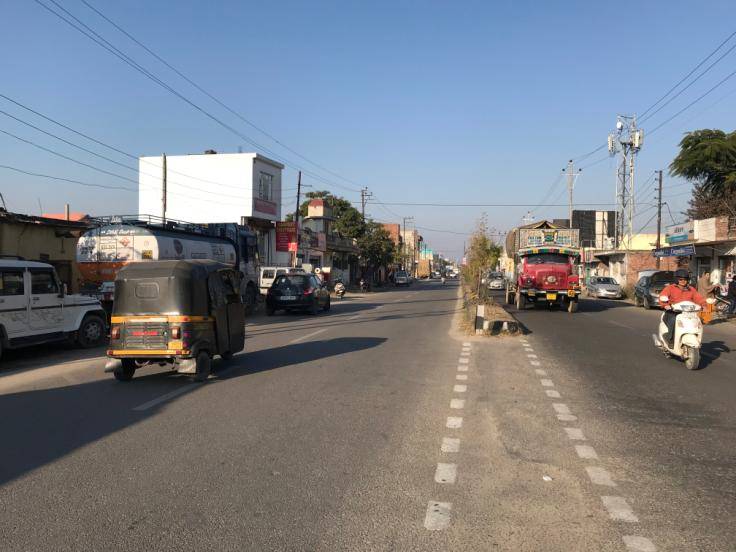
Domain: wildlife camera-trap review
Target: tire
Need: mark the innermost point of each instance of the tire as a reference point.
(692, 360)
(227, 355)
(647, 303)
(327, 305)
(637, 301)
(203, 366)
(91, 331)
(572, 306)
(520, 301)
(509, 298)
(314, 307)
(126, 371)
(270, 311)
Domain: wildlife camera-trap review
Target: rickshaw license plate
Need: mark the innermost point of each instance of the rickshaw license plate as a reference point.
(551, 297)
(287, 297)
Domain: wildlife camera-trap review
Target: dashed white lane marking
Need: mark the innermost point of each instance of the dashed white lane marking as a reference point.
(547, 383)
(465, 353)
(586, 452)
(446, 473)
(639, 544)
(574, 433)
(619, 509)
(438, 516)
(454, 422)
(534, 362)
(561, 408)
(459, 388)
(528, 348)
(552, 394)
(463, 360)
(302, 338)
(462, 368)
(567, 418)
(165, 397)
(540, 372)
(450, 444)
(466, 343)
(353, 317)
(600, 476)
(461, 377)
(457, 404)
(532, 356)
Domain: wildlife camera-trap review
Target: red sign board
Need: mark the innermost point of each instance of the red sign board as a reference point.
(263, 206)
(286, 236)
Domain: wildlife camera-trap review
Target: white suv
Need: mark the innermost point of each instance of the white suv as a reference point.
(34, 308)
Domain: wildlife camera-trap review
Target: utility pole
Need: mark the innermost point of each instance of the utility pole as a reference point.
(571, 176)
(163, 191)
(365, 195)
(296, 215)
(659, 217)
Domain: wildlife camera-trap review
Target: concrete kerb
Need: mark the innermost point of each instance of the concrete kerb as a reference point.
(492, 319)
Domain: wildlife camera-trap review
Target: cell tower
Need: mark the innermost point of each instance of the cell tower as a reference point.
(626, 140)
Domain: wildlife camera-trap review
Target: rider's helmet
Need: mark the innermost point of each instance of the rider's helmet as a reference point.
(682, 274)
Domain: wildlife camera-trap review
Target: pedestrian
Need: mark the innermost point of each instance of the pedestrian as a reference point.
(705, 288)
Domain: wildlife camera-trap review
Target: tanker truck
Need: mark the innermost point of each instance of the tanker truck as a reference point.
(545, 266)
(117, 241)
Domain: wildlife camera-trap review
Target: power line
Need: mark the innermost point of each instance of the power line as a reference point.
(410, 204)
(59, 178)
(211, 96)
(102, 42)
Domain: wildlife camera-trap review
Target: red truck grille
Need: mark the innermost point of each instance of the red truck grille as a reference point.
(551, 279)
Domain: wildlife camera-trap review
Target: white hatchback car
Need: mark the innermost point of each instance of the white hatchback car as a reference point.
(34, 308)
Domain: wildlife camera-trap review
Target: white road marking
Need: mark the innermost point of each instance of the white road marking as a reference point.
(528, 348)
(450, 444)
(438, 516)
(619, 324)
(586, 452)
(463, 360)
(465, 353)
(454, 422)
(619, 509)
(165, 397)
(466, 343)
(462, 368)
(446, 473)
(534, 362)
(639, 544)
(302, 338)
(567, 418)
(459, 388)
(532, 356)
(561, 408)
(552, 394)
(353, 317)
(600, 476)
(574, 433)
(547, 383)
(461, 377)
(457, 404)
(540, 372)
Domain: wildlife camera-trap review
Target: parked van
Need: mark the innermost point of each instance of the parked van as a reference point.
(34, 308)
(269, 274)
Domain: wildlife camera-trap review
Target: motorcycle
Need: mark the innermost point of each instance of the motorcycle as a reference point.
(339, 289)
(363, 285)
(443, 280)
(688, 334)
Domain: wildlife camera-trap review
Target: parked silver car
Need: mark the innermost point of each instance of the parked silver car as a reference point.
(495, 280)
(603, 287)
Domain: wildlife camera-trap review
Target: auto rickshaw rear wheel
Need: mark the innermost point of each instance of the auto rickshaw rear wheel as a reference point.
(203, 366)
(227, 355)
(126, 371)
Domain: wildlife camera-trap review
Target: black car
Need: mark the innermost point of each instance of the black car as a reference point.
(297, 292)
(648, 288)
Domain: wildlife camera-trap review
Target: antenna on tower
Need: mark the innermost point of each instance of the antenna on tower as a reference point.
(626, 140)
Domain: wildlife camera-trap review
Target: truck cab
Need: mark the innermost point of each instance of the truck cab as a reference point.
(546, 275)
(34, 308)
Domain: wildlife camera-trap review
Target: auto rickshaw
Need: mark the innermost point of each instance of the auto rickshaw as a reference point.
(175, 312)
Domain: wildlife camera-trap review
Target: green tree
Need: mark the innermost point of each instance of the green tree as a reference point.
(376, 245)
(707, 158)
(481, 256)
(348, 220)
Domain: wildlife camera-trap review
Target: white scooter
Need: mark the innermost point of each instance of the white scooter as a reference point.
(688, 334)
(339, 289)
(443, 280)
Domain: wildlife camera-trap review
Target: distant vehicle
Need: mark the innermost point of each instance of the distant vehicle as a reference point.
(401, 278)
(603, 287)
(270, 273)
(297, 292)
(178, 312)
(495, 280)
(423, 268)
(648, 288)
(34, 308)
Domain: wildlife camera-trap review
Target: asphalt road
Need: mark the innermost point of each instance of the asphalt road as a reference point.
(378, 426)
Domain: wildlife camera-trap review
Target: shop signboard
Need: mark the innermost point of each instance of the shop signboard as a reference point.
(286, 236)
(680, 233)
(677, 251)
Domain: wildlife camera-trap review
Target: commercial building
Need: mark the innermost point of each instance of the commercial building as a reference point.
(244, 188)
(322, 246)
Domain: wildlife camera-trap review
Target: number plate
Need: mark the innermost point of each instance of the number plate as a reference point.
(287, 297)
(551, 297)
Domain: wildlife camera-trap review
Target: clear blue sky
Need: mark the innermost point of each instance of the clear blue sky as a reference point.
(475, 102)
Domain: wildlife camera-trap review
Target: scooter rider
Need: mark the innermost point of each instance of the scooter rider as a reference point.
(675, 293)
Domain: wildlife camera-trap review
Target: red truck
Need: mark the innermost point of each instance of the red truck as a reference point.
(545, 266)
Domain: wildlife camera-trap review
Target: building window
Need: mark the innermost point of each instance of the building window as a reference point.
(265, 186)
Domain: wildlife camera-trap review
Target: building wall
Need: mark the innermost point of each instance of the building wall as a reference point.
(37, 242)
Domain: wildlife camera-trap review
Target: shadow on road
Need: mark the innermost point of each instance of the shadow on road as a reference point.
(711, 351)
(600, 305)
(44, 425)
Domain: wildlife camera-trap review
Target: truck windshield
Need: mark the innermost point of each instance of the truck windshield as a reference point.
(545, 258)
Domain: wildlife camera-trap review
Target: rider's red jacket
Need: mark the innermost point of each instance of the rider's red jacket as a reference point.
(675, 294)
